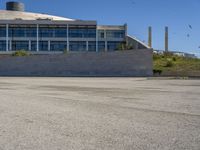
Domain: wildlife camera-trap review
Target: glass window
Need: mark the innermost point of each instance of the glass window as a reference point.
(101, 46)
(33, 46)
(43, 45)
(31, 32)
(20, 45)
(16, 32)
(92, 46)
(101, 33)
(46, 32)
(22, 32)
(77, 46)
(113, 45)
(2, 31)
(53, 32)
(115, 34)
(82, 32)
(58, 46)
(2, 45)
(61, 32)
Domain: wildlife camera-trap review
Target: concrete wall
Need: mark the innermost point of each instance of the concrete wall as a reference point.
(119, 63)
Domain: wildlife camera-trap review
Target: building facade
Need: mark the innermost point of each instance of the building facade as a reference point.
(36, 32)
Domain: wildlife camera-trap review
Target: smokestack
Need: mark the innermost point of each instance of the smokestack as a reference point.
(166, 40)
(150, 37)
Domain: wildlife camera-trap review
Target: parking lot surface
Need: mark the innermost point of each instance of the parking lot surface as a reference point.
(99, 114)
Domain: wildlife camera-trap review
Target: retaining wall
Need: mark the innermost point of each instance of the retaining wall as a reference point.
(119, 63)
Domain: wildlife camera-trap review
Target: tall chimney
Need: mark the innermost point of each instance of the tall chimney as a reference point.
(150, 37)
(166, 40)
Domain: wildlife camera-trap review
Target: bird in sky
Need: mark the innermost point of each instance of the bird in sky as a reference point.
(190, 26)
(188, 35)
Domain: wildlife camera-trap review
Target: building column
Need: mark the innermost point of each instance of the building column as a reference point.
(29, 45)
(87, 48)
(49, 45)
(67, 37)
(7, 36)
(106, 46)
(37, 38)
(10, 48)
(106, 42)
(97, 48)
(105, 36)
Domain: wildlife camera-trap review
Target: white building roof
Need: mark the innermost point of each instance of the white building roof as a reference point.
(18, 15)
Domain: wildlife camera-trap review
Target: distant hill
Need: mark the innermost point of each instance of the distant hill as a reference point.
(168, 64)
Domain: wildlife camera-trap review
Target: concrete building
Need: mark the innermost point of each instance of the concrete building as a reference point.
(47, 34)
(178, 53)
(183, 54)
(34, 32)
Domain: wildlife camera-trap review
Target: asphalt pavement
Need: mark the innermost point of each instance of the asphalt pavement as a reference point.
(99, 114)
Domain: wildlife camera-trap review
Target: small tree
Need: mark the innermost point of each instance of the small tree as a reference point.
(121, 46)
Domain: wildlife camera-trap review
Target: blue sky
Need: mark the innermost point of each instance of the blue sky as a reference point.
(138, 14)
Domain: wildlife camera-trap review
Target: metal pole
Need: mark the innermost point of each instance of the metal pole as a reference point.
(106, 42)
(97, 49)
(106, 45)
(37, 37)
(7, 34)
(87, 46)
(67, 37)
(29, 45)
(49, 45)
(10, 47)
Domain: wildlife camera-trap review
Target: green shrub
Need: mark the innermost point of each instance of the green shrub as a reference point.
(156, 56)
(174, 58)
(121, 46)
(124, 46)
(168, 63)
(20, 53)
(176, 65)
